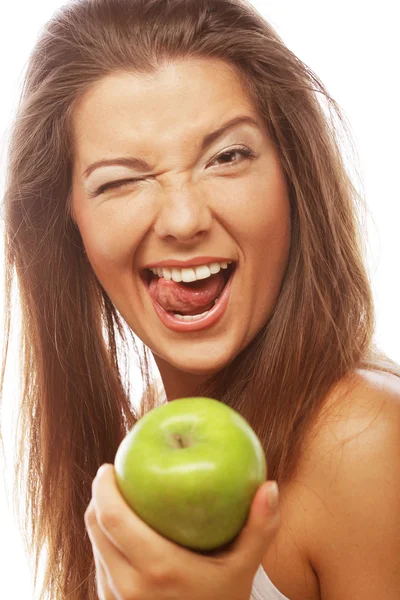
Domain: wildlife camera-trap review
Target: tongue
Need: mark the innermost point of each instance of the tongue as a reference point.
(187, 298)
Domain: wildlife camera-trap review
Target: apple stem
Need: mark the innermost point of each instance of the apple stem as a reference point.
(179, 440)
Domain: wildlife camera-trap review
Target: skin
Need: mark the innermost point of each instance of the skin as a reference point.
(189, 204)
(342, 503)
(151, 568)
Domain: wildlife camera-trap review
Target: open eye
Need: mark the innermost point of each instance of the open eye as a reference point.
(243, 151)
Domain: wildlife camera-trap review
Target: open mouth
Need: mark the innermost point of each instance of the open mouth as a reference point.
(148, 276)
(190, 306)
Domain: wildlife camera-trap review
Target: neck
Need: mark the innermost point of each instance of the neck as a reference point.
(177, 383)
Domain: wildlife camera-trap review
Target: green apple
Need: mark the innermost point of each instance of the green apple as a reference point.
(190, 468)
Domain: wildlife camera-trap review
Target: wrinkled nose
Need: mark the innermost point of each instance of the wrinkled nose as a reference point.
(184, 216)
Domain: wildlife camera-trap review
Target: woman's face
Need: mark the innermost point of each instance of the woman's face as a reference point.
(198, 197)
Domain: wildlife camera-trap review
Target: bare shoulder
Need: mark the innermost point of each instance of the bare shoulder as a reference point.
(340, 513)
(360, 407)
(349, 485)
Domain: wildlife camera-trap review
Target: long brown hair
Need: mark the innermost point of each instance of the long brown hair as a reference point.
(75, 406)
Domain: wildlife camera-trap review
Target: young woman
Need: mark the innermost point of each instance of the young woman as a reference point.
(172, 158)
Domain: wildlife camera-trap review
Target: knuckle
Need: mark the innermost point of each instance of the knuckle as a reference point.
(161, 576)
(90, 516)
(110, 518)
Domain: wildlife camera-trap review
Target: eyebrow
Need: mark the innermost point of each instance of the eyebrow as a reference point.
(140, 164)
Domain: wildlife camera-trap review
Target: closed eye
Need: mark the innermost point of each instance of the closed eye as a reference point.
(243, 151)
(113, 185)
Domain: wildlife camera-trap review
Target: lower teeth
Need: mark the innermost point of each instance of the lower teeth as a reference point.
(194, 317)
(190, 317)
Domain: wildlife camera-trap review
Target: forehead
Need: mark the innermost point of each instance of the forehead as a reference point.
(180, 101)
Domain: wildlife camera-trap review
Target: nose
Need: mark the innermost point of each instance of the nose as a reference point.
(184, 215)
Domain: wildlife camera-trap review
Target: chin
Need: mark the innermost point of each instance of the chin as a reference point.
(197, 363)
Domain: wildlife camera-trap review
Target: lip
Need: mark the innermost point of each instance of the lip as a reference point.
(213, 316)
(191, 262)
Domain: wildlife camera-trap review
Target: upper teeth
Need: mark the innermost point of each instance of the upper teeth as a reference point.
(190, 274)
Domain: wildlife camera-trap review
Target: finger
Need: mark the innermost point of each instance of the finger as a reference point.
(258, 532)
(138, 542)
(103, 588)
(113, 562)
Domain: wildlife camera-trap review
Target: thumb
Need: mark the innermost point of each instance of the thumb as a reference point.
(260, 528)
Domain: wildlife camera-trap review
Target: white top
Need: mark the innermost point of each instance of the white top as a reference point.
(263, 588)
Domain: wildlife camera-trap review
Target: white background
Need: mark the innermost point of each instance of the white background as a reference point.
(354, 47)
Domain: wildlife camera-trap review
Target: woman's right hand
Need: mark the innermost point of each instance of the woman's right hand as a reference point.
(134, 562)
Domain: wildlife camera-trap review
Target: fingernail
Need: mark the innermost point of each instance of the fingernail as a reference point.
(273, 496)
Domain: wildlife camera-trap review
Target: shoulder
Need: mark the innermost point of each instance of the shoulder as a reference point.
(349, 479)
(363, 408)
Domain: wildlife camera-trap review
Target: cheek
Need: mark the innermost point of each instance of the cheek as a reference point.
(112, 231)
(263, 222)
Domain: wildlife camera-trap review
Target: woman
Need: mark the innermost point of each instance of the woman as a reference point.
(221, 167)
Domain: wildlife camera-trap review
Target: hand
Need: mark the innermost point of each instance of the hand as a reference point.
(134, 562)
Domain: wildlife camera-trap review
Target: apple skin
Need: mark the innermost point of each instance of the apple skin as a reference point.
(190, 468)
